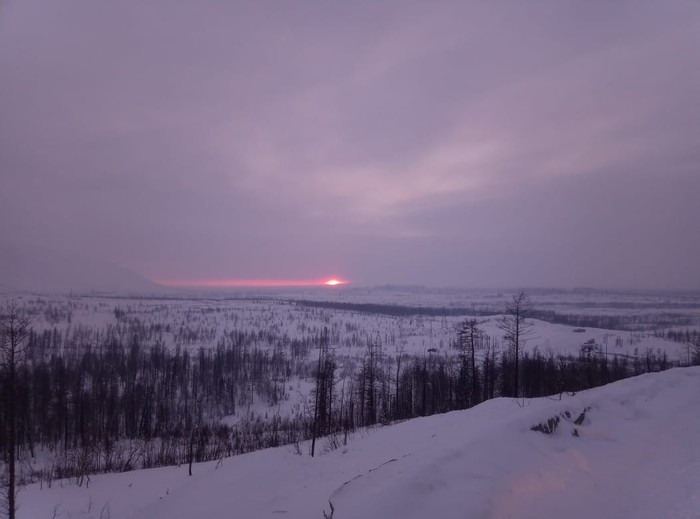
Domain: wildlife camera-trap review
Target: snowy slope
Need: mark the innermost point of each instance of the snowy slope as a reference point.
(637, 454)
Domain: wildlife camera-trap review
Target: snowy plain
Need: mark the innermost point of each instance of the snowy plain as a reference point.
(211, 317)
(636, 454)
(192, 321)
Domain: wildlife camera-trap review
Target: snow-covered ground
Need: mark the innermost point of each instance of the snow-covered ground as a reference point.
(195, 323)
(636, 455)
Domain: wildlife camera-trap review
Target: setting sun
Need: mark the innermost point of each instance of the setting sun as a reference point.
(334, 282)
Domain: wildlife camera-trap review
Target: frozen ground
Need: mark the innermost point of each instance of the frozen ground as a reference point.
(637, 454)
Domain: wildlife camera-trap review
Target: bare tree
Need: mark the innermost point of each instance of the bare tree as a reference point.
(516, 330)
(399, 356)
(190, 454)
(14, 332)
(470, 334)
(371, 378)
(324, 376)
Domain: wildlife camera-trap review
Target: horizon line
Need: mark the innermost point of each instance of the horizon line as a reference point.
(250, 283)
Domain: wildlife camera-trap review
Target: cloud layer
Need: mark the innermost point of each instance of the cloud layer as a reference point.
(449, 143)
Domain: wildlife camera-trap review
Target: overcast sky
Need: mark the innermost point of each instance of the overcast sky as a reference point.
(528, 143)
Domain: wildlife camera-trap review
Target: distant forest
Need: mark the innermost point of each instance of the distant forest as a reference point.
(639, 322)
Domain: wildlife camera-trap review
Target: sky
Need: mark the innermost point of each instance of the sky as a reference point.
(534, 143)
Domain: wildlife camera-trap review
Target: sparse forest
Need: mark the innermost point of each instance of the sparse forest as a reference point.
(87, 400)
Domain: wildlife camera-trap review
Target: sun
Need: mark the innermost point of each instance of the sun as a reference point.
(334, 282)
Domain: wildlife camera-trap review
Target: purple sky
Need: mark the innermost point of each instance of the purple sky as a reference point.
(441, 143)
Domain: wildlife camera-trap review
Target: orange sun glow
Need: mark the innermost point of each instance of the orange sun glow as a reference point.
(334, 282)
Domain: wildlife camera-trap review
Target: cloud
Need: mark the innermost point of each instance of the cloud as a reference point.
(393, 142)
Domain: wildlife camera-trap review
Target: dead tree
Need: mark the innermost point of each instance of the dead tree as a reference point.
(397, 393)
(469, 335)
(324, 371)
(14, 332)
(516, 330)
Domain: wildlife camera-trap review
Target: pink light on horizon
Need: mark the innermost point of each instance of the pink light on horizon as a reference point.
(250, 283)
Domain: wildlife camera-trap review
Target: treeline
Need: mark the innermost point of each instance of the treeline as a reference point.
(688, 335)
(394, 310)
(637, 322)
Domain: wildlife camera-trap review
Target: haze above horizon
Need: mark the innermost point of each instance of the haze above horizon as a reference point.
(439, 144)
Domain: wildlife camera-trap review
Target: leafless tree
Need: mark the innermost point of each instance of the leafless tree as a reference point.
(324, 389)
(397, 395)
(14, 332)
(516, 330)
(470, 334)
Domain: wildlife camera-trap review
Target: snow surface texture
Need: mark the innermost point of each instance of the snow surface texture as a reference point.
(636, 454)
